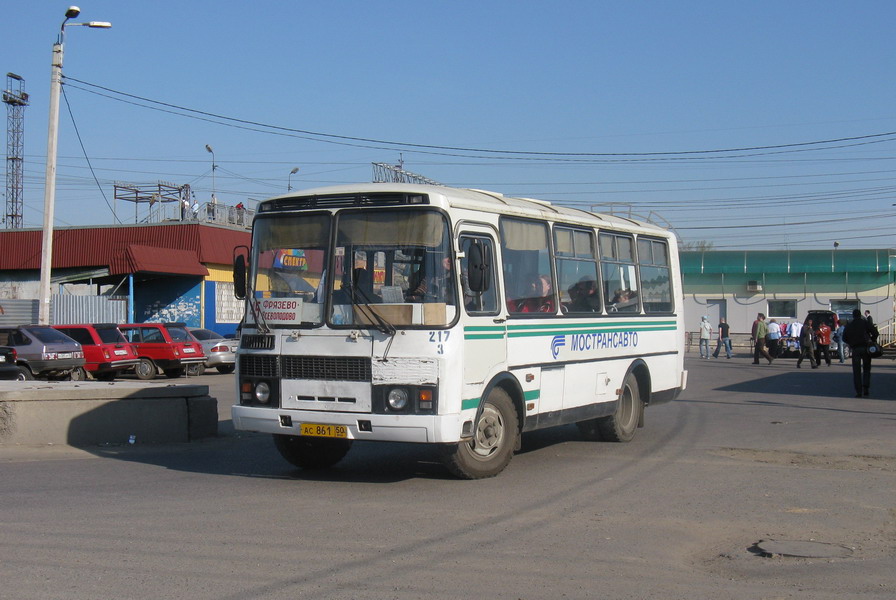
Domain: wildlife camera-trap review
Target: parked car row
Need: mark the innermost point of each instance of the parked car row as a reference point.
(105, 351)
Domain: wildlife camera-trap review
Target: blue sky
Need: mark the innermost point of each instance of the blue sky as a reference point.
(585, 103)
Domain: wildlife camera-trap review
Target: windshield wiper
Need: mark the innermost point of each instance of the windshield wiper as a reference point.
(258, 315)
(376, 319)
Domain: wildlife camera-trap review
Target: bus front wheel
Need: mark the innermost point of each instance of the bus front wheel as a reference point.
(311, 453)
(494, 440)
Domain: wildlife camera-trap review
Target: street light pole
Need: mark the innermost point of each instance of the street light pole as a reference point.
(214, 166)
(46, 254)
(289, 179)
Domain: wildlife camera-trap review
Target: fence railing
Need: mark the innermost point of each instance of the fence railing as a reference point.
(209, 212)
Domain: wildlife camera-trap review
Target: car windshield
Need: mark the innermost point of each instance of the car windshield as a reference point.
(179, 334)
(205, 334)
(48, 335)
(110, 335)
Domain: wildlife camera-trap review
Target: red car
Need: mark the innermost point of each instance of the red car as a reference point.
(165, 346)
(106, 352)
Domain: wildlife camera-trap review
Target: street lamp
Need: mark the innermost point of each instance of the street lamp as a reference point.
(289, 179)
(46, 255)
(214, 166)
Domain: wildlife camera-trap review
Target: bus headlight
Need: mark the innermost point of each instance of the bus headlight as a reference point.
(262, 392)
(397, 399)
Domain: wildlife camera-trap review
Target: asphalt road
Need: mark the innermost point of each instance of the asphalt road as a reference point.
(749, 453)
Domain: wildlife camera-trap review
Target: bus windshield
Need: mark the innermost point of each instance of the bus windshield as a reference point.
(388, 265)
(289, 262)
(394, 265)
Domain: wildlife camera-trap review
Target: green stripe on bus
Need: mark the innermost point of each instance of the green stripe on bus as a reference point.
(469, 403)
(554, 332)
(474, 402)
(534, 330)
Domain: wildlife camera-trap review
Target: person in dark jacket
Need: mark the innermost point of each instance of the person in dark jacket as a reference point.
(860, 334)
(807, 345)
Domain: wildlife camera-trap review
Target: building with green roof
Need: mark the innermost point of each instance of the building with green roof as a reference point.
(786, 284)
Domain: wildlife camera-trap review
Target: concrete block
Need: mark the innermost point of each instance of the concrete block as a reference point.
(91, 413)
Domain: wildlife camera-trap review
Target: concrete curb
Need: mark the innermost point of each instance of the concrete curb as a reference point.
(88, 413)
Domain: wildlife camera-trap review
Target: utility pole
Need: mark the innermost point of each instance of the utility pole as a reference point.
(46, 254)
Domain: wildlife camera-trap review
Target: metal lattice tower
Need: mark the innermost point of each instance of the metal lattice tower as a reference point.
(16, 100)
(383, 173)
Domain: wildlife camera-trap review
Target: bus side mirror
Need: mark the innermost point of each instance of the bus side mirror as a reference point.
(239, 276)
(479, 265)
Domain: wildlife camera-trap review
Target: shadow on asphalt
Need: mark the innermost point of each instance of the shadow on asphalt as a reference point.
(243, 454)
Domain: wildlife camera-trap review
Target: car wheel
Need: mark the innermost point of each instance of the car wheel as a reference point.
(195, 370)
(78, 374)
(226, 369)
(145, 369)
(24, 374)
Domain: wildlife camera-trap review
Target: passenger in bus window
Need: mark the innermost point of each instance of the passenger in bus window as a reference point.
(583, 296)
(537, 297)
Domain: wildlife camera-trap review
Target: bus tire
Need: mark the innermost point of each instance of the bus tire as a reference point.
(622, 424)
(311, 453)
(495, 437)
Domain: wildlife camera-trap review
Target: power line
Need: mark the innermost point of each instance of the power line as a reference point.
(797, 146)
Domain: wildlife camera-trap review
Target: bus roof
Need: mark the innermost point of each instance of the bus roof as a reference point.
(483, 200)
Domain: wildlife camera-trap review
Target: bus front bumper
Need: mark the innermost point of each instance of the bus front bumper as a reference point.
(389, 428)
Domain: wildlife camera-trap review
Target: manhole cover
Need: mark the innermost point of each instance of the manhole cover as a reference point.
(802, 549)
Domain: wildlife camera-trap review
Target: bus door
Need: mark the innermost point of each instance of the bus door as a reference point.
(482, 315)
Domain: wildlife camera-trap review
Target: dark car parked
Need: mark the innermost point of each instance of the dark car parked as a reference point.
(106, 352)
(45, 352)
(8, 367)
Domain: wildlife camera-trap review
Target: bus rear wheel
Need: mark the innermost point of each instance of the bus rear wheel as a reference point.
(622, 424)
(311, 453)
(494, 440)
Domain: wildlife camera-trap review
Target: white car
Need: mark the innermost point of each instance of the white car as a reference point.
(220, 352)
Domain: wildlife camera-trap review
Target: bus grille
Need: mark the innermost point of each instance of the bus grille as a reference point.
(255, 365)
(326, 368)
(257, 342)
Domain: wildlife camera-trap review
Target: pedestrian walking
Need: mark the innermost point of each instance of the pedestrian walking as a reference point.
(758, 335)
(837, 336)
(807, 344)
(823, 343)
(860, 334)
(705, 334)
(774, 338)
(724, 339)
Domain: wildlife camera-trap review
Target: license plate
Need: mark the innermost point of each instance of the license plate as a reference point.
(65, 355)
(2, 359)
(318, 430)
(120, 352)
(189, 350)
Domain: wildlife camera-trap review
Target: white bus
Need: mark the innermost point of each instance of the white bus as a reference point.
(462, 318)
